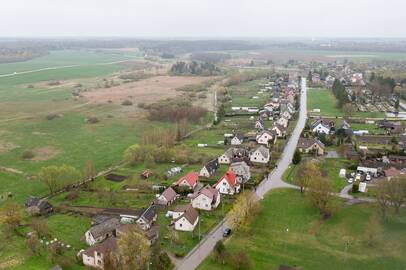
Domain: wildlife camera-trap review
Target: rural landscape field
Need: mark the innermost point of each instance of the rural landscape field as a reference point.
(166, 135)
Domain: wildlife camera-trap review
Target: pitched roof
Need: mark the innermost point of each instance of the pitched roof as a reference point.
(190, 214)
(169, 194)
(307, 142)
(191, 178)
(182, 208)
(280, 127)
(263, 150)
(208, 191)
(212, 164)
(108, 245)
(239, 137)
(149, 213)
(105, 227)
(230, 177)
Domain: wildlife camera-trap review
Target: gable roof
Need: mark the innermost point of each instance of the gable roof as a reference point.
(191, 178)
(230, 177)
(280, 127)
(263, 150)
(308, 142)
(182, 208)
(169, 194)
(212, 165)
(190, 215)
(208, 191)
(149, 213)
(105, 227)
(240, 137)
(108, 245)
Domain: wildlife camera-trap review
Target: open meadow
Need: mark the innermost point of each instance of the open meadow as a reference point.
(288, 231)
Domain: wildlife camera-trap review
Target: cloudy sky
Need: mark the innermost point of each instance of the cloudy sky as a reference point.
(203, 18)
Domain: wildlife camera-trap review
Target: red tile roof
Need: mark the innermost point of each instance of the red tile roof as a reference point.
(230, 177)
(191, 178)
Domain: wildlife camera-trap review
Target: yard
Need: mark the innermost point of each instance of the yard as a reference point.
(323, 99)
(288, 231)
(330, 169)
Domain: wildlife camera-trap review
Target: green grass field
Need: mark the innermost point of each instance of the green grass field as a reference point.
(330, 169)
(288, 232)
(323, 99)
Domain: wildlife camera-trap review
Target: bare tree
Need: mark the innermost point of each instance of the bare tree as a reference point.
(306, 171)
(133, 250)
(321, 195)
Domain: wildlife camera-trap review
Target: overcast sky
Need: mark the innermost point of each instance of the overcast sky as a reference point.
(203, 18)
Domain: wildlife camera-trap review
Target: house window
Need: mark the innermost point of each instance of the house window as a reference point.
(180, 224)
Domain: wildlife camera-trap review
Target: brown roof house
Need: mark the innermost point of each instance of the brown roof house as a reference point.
(94, 256)
(167, 197)
(102, 231)
(310, 145)
(187, 221)
(207, 198)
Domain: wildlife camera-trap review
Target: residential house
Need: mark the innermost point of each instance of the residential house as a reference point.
(310, 145)
(320, 127)
(237, 139)
(260, 155)
(210, 168)
(397, 159)
(147, 218)
(189, 180)
(283, 122)
(207, 198)
(36, 206)
(151, 234)
(179, 210)
(187, 221)
(227, 184)
(392, 172)
(94, 256)
(167, 197)
(266, 137)
(102, 231)
(279, 130)
(259, 124)
(241, 170)
(234, 154)
(287, 115)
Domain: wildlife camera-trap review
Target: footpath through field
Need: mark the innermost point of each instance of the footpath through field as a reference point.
(273, 181)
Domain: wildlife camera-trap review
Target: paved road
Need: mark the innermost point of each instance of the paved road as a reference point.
(274, 180)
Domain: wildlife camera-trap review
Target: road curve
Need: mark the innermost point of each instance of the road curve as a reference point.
(273, 181)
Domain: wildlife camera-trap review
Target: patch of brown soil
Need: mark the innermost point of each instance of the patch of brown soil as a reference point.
(144, 91)
(7, 146)
(45, 153)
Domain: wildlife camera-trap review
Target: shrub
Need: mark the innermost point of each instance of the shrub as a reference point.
(240, 260)
(28, 154)
(52, 116)
(53, 83)
(355, 187)
(297, 157)
(71, 195)
(127, 103)
(93, 120)
(202, 95)
(30, 86)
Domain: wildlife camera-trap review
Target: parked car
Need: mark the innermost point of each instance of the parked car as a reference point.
(351, 180)
(226, 232)
(368, 177)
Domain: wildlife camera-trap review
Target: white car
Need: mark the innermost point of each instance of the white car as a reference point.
(368, 177)
(350, 180)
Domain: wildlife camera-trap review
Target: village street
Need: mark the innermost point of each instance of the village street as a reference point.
(273, 181)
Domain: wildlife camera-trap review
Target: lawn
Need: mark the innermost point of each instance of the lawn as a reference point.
(288, 232)
(323, 99)
(330, 169)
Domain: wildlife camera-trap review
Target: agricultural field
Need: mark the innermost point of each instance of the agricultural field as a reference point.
(288, 231)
